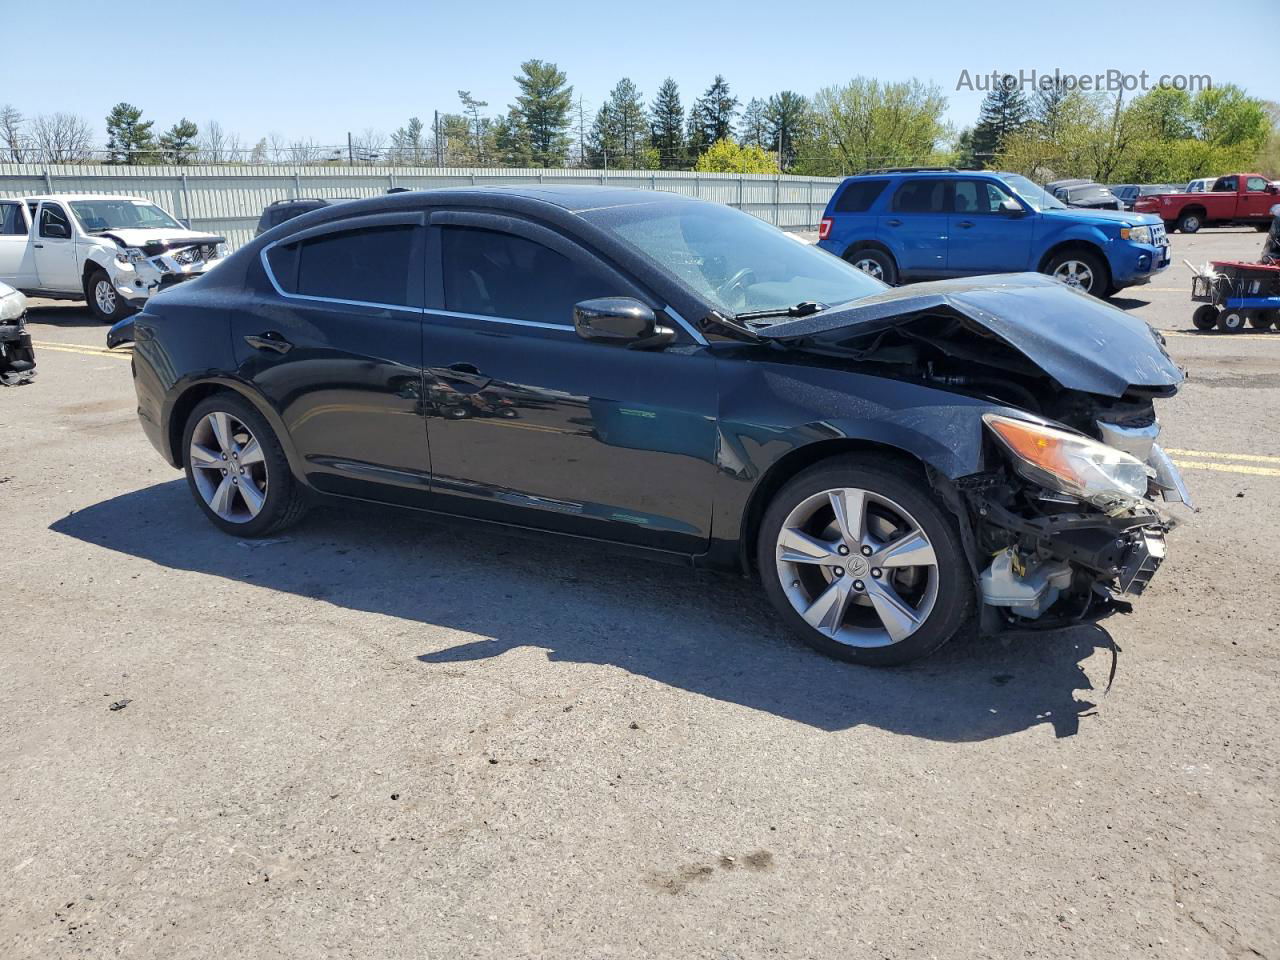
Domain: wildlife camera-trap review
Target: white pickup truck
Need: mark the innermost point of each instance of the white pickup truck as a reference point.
(113, 252)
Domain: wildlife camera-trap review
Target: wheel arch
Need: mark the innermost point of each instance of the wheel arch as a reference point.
(1197, 208)
(864, 244)
(800, 459)
(1081, 245)
(186, 401)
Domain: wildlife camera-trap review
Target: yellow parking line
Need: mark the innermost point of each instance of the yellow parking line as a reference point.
(83, 350)
(1251, 457)
(1227, 468)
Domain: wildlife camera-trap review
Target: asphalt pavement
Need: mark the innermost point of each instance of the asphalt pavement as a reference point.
(376, 736)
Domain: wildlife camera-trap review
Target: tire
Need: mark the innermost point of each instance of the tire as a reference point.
(1232, 321)
(875, 263)
(105, 302)
(938, 596)
(1262, 227)
(1260, 319)
(1089, 270)
(279, 499)
(1190, 222)
(1205, 317)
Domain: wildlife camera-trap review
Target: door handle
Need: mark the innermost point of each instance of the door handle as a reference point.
(466, 375)
(468, 368)
(38, 246)
(895, 222)
(966, 224)
(270, 340)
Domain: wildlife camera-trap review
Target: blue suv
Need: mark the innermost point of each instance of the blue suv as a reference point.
(923, 224)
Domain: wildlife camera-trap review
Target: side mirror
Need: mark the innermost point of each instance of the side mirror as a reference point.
(55, 231)
(1011, 207)
(1273, 188)
(623, 321)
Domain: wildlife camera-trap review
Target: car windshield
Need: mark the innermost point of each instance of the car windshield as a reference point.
(95, 216)
(1034, 195)
(731, 259)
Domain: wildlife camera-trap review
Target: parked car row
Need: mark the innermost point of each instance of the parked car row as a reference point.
(1241, 198)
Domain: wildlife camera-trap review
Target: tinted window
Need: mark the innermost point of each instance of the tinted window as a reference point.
(921, 196)
(51, 215)
(372, 265)
(12, 222)
(500, 275)
(859, 195)
(1225, 185)
(977, 196)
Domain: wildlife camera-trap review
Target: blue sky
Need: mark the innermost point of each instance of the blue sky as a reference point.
(320, 68)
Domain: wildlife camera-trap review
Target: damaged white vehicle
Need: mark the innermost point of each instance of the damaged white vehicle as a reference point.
(113, 252)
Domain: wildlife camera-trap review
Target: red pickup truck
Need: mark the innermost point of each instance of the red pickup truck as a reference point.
(1235, 198)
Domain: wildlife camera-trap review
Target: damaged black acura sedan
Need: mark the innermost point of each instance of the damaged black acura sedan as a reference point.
(676, 377)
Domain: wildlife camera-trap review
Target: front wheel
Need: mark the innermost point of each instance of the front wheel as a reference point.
(1232, 321)
(237, 470)
(105, 302)
(1205, 317)
(858, 557)
(1080, 269)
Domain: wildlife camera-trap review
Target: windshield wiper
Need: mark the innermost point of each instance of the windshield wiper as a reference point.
(804, 308)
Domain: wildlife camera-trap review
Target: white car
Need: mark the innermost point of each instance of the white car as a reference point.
(1203, 185)
(113, 252)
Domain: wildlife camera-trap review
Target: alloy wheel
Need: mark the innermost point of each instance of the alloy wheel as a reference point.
(104, 295)
(1075, 273)
(869, 266)
(857, 567)
(228, 467)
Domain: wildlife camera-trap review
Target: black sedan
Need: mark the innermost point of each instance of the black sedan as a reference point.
(682, 380)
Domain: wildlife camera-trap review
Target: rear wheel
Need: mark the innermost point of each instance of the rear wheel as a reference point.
(875, 263)
(1205, 317)
(1260, 319)
(237, 470)
(1190, 222)
(1080, 269)
(1262, 227)
(105, 302)
(859, 558)
(1232, 321)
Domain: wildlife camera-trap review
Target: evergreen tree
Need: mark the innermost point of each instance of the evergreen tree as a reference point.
(711, 119)
(178, 143)
(753, 130)
(1048, 108)
(408, 144)
(666, 126)
(541, 113)
(1004, 112)
(786, 118)
(471, 107)
(620, 129)
(129, 137)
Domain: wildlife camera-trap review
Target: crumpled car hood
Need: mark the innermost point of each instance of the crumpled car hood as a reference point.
(1079, 341)
(153, 242)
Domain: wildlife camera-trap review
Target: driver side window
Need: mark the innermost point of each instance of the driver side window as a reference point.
(1256, 185)
(51, 219)
(492, 274)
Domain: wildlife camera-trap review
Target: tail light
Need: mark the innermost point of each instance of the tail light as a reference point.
(824, 228)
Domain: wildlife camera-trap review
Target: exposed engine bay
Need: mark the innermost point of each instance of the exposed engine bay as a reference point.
(1061, 523)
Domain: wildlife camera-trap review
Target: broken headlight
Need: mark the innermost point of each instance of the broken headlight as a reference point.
(1068, 462)
(130, 255)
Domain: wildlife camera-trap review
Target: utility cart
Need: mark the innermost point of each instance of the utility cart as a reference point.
(1233, 294)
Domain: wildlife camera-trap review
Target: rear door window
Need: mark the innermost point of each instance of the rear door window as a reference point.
(859, 195)
(375, 265)
(12, 222)
(921, 196)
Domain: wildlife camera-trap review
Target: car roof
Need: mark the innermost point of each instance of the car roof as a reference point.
(83, 196)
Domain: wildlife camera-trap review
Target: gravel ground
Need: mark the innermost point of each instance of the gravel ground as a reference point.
(377, 737)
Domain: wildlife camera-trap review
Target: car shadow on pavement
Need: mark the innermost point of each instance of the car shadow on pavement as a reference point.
(64, 314)
(709, 634)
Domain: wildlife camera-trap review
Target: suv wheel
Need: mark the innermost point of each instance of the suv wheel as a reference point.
(1080, 269)
(237, 470)
(875, 263)
(860, 559)
(105, 302)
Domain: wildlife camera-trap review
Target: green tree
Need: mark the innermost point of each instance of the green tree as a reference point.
(1165, 113)
(178, 143)
(786, 117)
(539, 119)
(408, 144)
(726, 156)
(752, 128)
(865, 123)
(1004, 112)
(621, 130)
(711, 118)
(471, 108)
(129, 137)
(1227, 116)
(666, 126)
